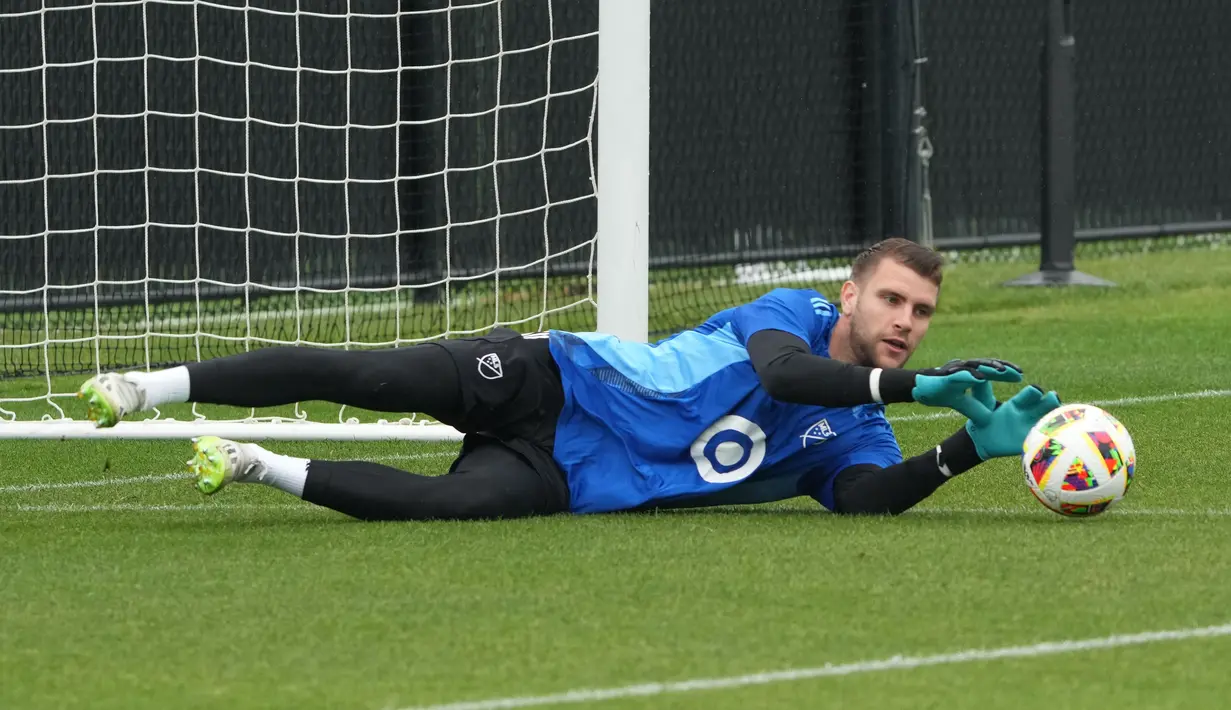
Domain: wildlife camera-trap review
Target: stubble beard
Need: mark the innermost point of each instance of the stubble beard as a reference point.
(862, 347)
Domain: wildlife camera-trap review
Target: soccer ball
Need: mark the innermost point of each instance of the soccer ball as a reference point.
(1078, 460)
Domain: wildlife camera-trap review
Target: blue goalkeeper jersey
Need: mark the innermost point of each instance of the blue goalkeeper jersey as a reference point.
(685, 421)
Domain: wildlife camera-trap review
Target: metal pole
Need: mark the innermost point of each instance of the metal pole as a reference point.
(1059, 242)
(1059, 125)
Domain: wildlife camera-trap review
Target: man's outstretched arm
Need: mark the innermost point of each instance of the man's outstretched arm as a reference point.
(790, 372)
(872, 490)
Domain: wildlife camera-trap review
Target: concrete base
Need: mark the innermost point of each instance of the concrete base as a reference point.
(1058, 278)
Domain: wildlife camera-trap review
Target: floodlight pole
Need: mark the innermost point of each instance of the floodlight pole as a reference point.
(1059, 240)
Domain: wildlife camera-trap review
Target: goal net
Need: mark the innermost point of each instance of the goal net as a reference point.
(185, 180)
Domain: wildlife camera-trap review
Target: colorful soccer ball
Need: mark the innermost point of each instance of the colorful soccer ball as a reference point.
(1078, 460)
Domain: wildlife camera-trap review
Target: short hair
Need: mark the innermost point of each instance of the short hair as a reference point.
(924, 261)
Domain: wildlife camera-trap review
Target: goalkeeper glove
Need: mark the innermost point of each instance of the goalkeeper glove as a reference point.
(1004, 430)
(951, 384)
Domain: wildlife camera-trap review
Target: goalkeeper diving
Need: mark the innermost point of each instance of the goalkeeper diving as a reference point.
(778, 398)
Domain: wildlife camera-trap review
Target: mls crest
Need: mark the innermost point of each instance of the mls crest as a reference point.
(817, 433)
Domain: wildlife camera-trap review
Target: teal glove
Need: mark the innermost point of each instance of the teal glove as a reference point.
(951, 385)
(1004, 430)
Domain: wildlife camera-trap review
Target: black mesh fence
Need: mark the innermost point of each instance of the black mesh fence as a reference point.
(762, 135)
(1154, 122)
(1153, 137)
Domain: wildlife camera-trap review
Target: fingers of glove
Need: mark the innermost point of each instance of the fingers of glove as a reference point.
(974, 410)
(983, 394)
(1011, 366)
(975, 363)
(1000, 374)
(1027, 398)
(1050, 401)
(938, 389)
(998, 364)
(951, 367)
(964, 377)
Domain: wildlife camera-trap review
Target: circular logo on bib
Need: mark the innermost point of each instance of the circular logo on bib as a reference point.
(729, 450)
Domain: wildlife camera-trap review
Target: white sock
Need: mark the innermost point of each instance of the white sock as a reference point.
(286, 473)
(162, 386)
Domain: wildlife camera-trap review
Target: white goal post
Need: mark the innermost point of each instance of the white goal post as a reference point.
(191, 178)
(624, 167)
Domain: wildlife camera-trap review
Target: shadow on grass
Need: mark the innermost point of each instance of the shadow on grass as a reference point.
(929, 516)
(231, 517)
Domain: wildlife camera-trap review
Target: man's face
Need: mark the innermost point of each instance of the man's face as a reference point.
(889, 313)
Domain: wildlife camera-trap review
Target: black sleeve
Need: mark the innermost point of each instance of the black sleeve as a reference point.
(869, 490)
(789, 372)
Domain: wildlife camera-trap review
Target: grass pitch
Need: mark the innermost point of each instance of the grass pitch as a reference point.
(123, 588)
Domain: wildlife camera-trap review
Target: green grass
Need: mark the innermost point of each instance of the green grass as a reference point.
(253, 599)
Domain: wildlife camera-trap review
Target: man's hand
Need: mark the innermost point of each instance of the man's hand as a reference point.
(952, 385)
(1004, 430)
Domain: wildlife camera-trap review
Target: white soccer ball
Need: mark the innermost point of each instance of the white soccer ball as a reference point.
(1078, 460)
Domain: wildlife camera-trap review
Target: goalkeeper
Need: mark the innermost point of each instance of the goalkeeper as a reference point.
(778, 398)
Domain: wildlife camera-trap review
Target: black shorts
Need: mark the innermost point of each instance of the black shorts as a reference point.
(511, 393)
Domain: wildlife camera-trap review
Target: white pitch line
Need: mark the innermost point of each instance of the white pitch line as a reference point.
(1122, 402)
(34, 487)
(155, 478)
(893, 663)
(147, 508)
(1114, 512)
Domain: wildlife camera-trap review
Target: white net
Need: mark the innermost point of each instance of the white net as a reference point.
(184, 180)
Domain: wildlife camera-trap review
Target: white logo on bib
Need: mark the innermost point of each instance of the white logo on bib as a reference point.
(817, 433)
(739, 450)
(490, 367)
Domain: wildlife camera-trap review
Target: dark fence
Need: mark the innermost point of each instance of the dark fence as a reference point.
(1153, 143)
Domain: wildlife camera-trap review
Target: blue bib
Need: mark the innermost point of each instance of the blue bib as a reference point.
(685, 421)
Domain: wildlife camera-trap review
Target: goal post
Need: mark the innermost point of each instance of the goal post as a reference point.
(624, 168)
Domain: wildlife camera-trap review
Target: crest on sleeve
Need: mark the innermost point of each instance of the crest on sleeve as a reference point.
(821, 307)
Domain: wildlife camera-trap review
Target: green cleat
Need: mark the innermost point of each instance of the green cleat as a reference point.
(216, 462)
(109, 397)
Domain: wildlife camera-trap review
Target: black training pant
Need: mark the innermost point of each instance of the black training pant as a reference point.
(502, 390)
